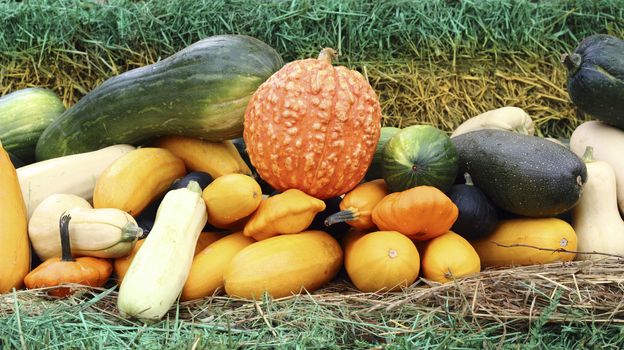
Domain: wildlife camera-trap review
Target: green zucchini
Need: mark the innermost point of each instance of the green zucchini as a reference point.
(24, 114)
(201, 91)
(525, 175)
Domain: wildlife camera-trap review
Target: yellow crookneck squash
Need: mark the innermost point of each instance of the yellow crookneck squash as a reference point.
(14, 243)
(289, 212)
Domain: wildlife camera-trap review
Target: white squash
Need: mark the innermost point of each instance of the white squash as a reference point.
(607, 143)
(100, 233)
(596, 218)
(73, 174)
(160, 268)
(505, 118)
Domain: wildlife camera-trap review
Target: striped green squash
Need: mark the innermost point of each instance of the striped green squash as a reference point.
(24, 114)
(201, 91)
(419, 155)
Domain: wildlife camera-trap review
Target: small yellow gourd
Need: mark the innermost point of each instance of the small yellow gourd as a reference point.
(449, 257)
(230, 198)
(357, 206)
(289, 212)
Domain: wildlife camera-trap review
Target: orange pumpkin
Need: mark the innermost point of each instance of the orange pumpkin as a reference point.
(381, 261)
(313, 127)
(422, 213)
(448, 257)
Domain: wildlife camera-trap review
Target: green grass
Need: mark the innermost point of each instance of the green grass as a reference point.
(299, 324)
(360, 30)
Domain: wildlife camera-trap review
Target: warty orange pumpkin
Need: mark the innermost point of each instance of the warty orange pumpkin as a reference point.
(313, 127)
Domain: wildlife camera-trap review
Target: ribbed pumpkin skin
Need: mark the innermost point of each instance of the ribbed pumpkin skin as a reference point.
(313, 127)
(14, 243)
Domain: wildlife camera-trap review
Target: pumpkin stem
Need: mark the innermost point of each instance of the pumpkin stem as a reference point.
(588, 156)
(572, 61)
(66, 254)
(468, 179)
(350, 214)
(328, 55)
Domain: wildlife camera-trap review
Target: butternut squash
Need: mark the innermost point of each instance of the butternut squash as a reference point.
(596, 219)
(14, 244)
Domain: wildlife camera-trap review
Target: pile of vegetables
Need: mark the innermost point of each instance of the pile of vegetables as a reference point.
(147, 183)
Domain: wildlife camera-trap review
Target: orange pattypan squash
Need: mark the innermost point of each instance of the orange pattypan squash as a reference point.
(313, 127)
(289, 212)
(55, 271)
(422, 213)
(448, 257)
(357, 206)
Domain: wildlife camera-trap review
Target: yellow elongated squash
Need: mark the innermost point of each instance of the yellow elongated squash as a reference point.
(14, 244)
(283, 265)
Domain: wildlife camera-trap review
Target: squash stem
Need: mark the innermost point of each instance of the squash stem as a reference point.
(328, 55)
(468, 179)
(588, 156)
(571, 61)
(194, 186)
(131, 232)
(66, 254)
(350, 214)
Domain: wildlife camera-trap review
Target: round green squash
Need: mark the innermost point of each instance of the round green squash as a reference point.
(419, 155)
(596, 78)
(374, 170)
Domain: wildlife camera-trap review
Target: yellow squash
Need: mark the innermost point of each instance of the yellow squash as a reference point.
(291, 211)
(518, 242)
(357, 206)
(448, 257)
(136, 179)
(214, 158)
(381, 261)
(14, 244)
(283, 265)
(230, 198)
(206, 275)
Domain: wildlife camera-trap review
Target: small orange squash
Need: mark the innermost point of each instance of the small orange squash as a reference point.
(206, 275)
(422, 213)
(136, 179)
(531, 234)
(14, 243)
(357, 206)
(230, 198)
(283, 265)
(313, 127)
(448, 257)
(382, 261)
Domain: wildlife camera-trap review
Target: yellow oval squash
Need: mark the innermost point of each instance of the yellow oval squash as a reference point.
(448, 257)
(230, 198)
(548, 233)
(14, 243)
(381, 261)
(206, 275)
(284, 265)
(136, 179)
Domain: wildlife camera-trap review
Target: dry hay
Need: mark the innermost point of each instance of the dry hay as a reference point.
(515, 297)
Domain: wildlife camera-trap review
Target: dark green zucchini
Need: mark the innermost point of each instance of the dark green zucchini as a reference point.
(201, 91)
(596, 78)
(24, 115)
(525, 175)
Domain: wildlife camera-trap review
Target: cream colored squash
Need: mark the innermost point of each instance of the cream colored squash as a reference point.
(607, 143)
(102, 233)
(596, 218)
(505, 118)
